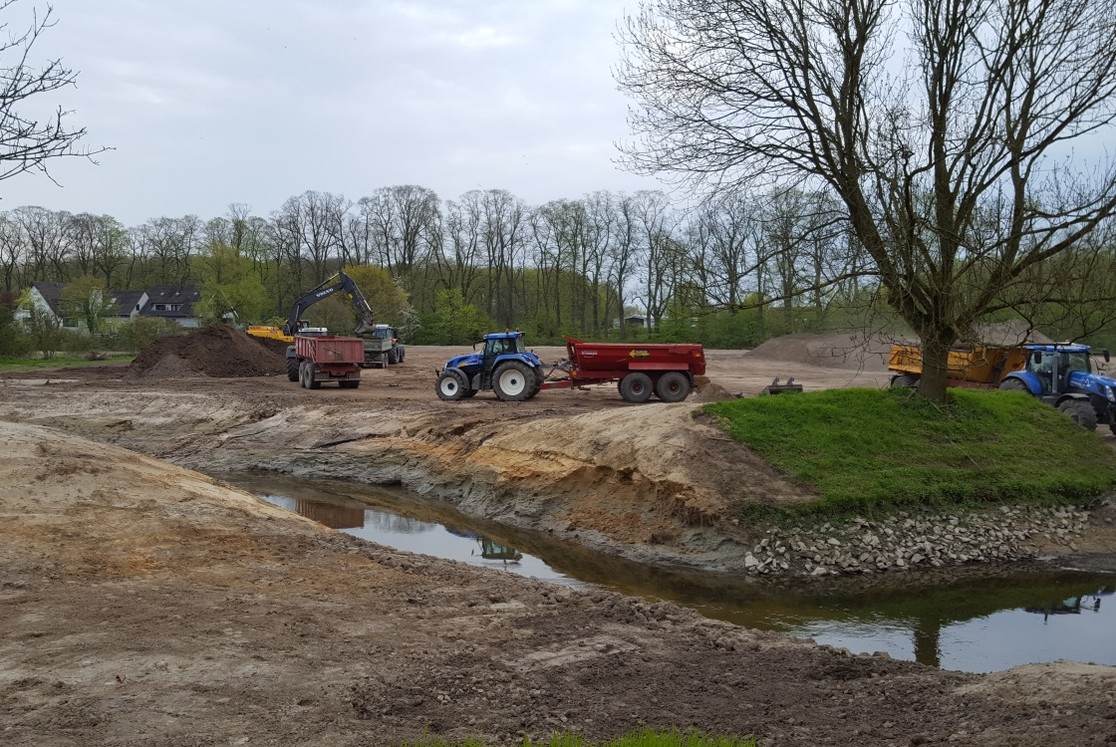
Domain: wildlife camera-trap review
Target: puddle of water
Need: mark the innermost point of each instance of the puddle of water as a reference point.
(983, 623)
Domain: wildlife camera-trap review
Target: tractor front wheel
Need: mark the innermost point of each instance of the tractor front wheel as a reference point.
(513, 382)
(1014, 385)
(1080, 412)
(292, 369)
(450, 385)
(636, 387)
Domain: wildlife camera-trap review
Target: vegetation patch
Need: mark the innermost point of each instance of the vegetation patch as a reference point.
(865, 448)
(60, 361)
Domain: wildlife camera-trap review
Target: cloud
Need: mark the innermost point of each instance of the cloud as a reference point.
(209, 103)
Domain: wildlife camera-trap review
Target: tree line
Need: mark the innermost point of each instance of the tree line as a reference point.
(451, 269)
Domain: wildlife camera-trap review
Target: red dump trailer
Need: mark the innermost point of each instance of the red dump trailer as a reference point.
(640, 369)
(328, 358)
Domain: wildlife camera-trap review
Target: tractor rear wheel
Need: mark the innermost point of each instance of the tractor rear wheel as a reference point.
(292, 369)
(1014, 385)
(513, 381)
(1080, 412)
(672, 387)
(636, 387)
(450, 385)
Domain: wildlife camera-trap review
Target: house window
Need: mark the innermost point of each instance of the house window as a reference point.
(168, 307)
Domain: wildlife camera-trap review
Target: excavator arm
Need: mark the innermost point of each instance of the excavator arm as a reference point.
(339, 282)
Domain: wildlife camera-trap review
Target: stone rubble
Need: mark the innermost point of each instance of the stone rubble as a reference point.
(905, 541)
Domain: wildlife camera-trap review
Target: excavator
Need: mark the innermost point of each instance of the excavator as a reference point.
(375, 347)
(295, 324)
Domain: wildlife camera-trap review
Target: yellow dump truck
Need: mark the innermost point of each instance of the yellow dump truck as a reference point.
(969, 366)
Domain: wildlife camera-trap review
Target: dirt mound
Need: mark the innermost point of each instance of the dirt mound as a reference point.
(850, 350)
(706, 391)
(217, 350)
(858, 351)
(1009, 333)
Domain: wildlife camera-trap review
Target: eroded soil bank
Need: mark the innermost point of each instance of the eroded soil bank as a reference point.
(146, 604)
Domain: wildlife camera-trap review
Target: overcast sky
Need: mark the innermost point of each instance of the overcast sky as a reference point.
(212, 102)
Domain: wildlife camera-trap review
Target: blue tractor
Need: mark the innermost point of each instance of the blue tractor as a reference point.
(504, 365)
(1062, 376)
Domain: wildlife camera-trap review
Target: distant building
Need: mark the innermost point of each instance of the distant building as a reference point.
(635, 321)
(47, 297)
(175, 303)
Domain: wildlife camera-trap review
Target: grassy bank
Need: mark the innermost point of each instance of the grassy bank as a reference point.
(59, 361)
(860, 448)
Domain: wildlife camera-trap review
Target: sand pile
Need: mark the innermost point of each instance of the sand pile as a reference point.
(858, 351)
(217, 350)
(850, 350)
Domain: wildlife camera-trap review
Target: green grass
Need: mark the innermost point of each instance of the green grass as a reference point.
(58, 361)
(646, 738)
(863, 448)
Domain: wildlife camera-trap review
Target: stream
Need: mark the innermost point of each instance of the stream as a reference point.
(982, 621)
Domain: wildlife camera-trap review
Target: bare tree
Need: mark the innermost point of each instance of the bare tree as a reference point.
(12, 255)
(947, 167)
(28, 142)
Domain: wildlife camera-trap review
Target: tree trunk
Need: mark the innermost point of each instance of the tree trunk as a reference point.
(935, 363)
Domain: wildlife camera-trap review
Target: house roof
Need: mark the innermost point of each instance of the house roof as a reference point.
(180, 296)
(127, 301)
(51, 293)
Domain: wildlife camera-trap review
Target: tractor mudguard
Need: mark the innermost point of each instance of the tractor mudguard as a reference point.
(1034, 386)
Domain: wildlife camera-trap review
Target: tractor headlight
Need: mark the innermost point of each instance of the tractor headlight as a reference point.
(1110, 394)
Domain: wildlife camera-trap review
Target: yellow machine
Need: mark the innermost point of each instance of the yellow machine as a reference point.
(269, 332)
(972, 366)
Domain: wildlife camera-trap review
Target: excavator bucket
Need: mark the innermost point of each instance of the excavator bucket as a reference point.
(776, 388)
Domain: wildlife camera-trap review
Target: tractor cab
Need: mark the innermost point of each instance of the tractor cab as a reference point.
(498, 344)
(1054, 366)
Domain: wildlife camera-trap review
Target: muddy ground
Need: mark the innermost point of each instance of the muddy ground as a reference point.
(147, 604)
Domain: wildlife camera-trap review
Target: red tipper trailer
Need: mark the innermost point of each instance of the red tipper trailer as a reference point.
(328, 358)
(667, 369)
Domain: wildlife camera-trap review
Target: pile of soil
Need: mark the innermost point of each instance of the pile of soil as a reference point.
(854, 350)
(858, 351)
(217, 350)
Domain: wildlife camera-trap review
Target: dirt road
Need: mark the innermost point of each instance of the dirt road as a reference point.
(146, 604)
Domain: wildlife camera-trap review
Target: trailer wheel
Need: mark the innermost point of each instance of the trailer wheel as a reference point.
(302, 375)
(636, 387)
(306, 371)
(450, 386)
(513, 381)
(292, 369)
(1080, 412)
(392, 356)
(904, 381)
(672, 387)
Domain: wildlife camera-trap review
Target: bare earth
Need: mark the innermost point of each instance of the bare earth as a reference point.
(143, 603)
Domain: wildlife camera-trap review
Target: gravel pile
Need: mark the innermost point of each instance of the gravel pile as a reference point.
(904, 541)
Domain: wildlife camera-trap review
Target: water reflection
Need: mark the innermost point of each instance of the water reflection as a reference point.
(978, 621)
